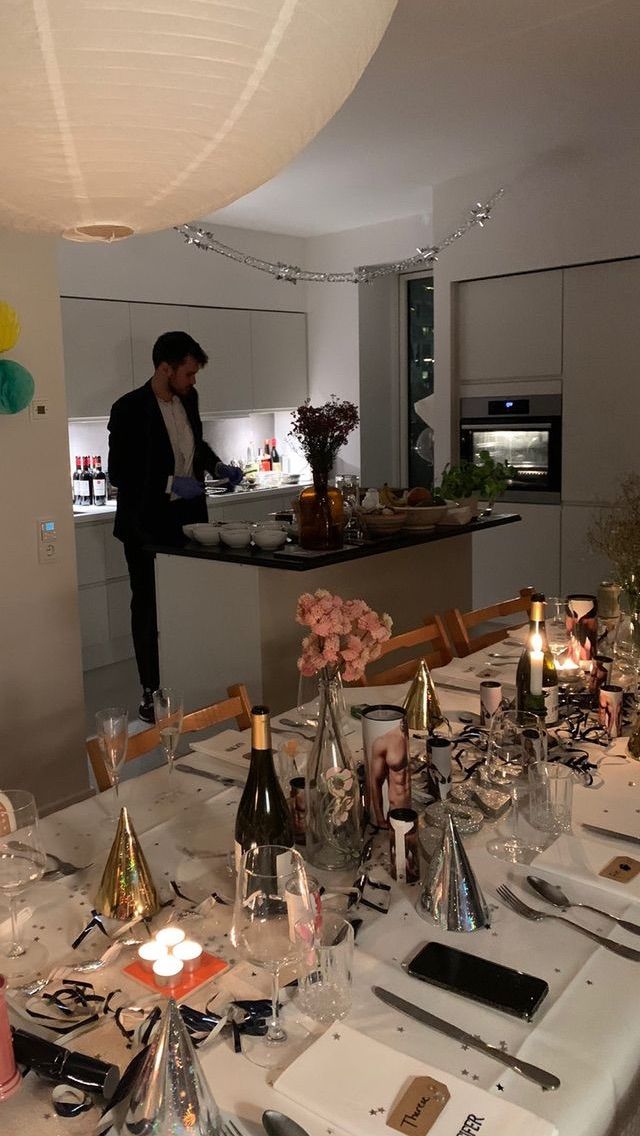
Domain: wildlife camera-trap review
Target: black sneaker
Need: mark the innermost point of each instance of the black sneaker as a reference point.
(145, 709)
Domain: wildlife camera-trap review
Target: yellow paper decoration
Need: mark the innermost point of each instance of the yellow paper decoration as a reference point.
(9, 326)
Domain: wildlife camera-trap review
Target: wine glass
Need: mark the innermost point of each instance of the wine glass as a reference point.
(516, 738)
(112, 730)
(263, 931)
(22, 857)
(513, 848)
(556, 627)
(168, 709)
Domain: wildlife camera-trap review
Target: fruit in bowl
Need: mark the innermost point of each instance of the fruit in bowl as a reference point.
(383, 522)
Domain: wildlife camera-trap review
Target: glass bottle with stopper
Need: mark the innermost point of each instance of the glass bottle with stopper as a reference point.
(536, 677)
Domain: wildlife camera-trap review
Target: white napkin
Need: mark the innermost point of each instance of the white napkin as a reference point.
(579, 859)
(347, 1078)
(468, 673)
(227, 754)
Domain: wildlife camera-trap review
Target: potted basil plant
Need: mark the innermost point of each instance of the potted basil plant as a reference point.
(468, 483)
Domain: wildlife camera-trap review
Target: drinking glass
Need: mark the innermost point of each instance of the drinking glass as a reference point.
(22, 857)
(262, 932)
(326, 960)
(551, 796)
(168, 709)
(514, 848)
(626, 654)
(516, 738)
(556, 626)
(308, 705)
(112, 730)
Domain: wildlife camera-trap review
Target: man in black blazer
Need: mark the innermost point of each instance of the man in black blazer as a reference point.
(157, 461)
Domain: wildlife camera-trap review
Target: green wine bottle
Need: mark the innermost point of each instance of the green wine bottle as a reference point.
(536, 677)
(263, 815)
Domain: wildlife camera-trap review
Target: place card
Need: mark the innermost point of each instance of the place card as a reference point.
(419, 1106)
(622, 869)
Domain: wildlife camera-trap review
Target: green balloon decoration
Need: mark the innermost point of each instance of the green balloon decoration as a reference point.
(16, 387)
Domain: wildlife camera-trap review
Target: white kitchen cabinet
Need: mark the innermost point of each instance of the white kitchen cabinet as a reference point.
(97, 355)
(225, 334)
(279, 359)
(601, 399)
(103, 594)
(148, 322)
(518, 555)
(509, 327)
(582, 567)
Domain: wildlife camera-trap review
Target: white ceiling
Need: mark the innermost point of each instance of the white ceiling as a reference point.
(456, 85)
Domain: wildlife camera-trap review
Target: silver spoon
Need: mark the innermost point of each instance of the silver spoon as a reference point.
(555, 895)
(277, 1124)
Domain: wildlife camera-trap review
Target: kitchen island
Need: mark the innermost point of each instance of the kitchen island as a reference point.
(228, 616)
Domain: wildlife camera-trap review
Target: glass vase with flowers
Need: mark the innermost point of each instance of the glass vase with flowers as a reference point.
(344, 635)
(320, 431)
(616, 533)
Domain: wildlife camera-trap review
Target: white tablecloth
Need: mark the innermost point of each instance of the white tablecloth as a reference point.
(586, 1031)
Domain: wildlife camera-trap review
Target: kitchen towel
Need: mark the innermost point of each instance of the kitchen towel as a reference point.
(353, 1082)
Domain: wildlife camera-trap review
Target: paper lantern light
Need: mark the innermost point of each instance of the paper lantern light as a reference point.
(128, 118)
(16, 387)
(9, 326)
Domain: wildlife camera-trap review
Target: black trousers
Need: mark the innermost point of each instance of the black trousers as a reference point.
(140, 562)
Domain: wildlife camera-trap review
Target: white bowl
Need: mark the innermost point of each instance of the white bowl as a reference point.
(235, 537)
(269, 538)
(203, 533)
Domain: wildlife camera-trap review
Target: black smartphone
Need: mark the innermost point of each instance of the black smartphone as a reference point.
(497, 986)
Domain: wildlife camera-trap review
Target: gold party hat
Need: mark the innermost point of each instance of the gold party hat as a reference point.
(126, 889)
(421, 702)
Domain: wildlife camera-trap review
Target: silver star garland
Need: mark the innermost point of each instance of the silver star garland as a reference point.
(423, 257)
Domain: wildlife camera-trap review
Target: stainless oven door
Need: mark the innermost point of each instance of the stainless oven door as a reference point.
(531, 447)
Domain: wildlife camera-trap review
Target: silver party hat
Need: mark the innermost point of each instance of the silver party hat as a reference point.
(170, 1093)
(450, 893)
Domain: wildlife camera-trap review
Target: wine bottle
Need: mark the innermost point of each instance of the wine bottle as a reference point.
(263, 815)
(275, 457)
(75, 482)
(84, 484)
(536, 677)
(99, 482)
(265, 463)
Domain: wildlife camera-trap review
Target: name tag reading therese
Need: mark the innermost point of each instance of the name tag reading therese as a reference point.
(421, 1103)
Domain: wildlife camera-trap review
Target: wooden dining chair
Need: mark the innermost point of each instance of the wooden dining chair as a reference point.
(429, 641)
(459, 624)
(237, 706)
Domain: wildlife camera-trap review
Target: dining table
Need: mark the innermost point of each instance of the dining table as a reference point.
(585, 1032)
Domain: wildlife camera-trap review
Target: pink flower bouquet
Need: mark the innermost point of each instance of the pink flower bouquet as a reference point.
(345, 635)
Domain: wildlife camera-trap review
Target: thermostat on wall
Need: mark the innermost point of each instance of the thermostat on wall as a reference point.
(47, 537)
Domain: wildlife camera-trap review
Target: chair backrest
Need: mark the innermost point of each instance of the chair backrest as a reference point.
(429, 641)
(459, 624)
(237, 706)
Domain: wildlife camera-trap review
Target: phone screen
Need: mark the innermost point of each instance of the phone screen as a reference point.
(487, 982)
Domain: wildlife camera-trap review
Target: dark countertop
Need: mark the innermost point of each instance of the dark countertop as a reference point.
(296, 559)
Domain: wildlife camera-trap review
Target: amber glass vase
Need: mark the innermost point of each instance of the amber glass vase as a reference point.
(321, 519)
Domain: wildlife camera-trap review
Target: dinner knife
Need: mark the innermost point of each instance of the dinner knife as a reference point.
(219, 777)
(531, 1072)
(612, 833)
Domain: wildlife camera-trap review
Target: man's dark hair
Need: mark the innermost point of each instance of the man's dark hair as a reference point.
(173, 347)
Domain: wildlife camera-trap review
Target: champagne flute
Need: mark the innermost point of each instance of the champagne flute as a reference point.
(168, 708)
(112, 730)
(22, 857)
(264, 933)
(516, 738)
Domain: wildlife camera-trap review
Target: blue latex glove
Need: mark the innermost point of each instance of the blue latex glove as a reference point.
(187, 488)
(233, 473)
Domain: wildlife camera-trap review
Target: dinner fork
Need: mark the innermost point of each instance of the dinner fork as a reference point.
(228, 1128)
(533, 913)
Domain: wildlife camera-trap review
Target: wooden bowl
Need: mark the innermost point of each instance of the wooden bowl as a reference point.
(423, 516)
(383, 524)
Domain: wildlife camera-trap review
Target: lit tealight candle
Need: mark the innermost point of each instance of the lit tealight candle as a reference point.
(169, 937)
(190, 953)
(167, 971)
(150, 952)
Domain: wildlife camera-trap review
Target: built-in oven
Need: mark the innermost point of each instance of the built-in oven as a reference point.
(524, 431)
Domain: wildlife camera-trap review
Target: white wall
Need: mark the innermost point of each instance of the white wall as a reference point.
(41, 697)
(162, 268)
(335, 310)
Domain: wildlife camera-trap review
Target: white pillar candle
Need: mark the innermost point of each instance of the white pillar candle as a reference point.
(150, 952)
(167, 971)
(190, 954)
(536, 658)
(170, 937)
